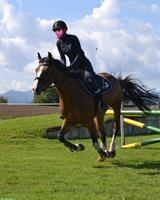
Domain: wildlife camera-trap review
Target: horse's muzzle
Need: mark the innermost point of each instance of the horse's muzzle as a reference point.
(35, 91)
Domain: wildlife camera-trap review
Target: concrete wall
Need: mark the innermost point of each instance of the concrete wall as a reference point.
(81, 132)
(78, 132)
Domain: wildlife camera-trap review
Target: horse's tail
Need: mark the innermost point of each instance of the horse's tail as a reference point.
(135, 91)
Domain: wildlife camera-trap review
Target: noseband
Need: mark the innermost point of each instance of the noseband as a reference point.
(37, 78)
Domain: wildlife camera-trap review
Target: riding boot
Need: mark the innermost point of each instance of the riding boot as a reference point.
(100, 103)
(98, 96)
(90, 77)
(95, 86)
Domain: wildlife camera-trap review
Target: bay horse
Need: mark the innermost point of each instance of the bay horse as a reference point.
(78, 107)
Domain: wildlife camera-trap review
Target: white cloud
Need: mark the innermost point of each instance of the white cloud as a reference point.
(14, 79)
(14, 85)
(108, 9)
(8, 21)
(2, 58)
(155, 8)
(30, 67)
(134, 49)
(111, 46)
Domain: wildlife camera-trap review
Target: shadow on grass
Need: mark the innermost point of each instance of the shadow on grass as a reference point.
(152, 148)
(150, 165)
(141, 165)
(150, 173)
(101, 167)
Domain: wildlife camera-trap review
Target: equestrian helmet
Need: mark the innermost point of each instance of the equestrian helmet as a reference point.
(59, 25)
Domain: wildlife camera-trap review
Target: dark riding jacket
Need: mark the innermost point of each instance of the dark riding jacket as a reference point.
(69, 45)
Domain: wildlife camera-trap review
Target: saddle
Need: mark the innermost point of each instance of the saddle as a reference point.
(105, 85)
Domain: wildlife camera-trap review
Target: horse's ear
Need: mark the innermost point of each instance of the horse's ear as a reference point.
(50, 56)
(39, 56)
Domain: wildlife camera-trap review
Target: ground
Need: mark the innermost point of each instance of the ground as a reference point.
(36, 168)
(26, 110)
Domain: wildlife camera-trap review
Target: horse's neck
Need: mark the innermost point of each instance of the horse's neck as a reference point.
(63, 86)
(62, 89)
(68, 89)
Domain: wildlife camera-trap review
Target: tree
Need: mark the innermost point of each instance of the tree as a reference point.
(49, 96)
(3, 100)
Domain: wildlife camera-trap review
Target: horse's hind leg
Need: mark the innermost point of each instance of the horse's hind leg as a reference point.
(116, 128)
(66, 126)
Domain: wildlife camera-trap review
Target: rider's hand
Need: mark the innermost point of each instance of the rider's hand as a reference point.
(69, 68)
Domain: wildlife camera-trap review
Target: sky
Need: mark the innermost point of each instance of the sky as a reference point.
(117, 36)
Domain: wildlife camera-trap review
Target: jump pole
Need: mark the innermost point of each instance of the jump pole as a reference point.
(141, 125)
(139, 144)
(135, 113)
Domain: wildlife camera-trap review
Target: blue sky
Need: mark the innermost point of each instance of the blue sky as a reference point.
(75, 9)
(65, 9)
(126, 33)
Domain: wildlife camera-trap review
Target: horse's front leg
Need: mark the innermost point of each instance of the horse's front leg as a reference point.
(66, 126)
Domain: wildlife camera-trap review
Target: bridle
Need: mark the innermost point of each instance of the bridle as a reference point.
(42, 64)
(37, 78)
(55, 78)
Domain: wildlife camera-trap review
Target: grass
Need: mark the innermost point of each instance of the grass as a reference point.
(28, 127)
(34, 168)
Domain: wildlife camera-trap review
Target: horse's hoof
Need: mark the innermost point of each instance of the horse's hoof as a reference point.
(101, 158)
(77, 147)
(72, 150)
(112, 154)
(103, 155)
(80, 147)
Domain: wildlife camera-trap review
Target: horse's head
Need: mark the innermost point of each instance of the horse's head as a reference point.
(44, 74)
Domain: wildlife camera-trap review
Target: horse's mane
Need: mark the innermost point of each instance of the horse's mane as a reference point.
(59, 65)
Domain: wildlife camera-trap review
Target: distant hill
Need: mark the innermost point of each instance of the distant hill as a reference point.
(18, 96)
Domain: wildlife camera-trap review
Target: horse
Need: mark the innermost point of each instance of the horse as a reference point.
(79, 107)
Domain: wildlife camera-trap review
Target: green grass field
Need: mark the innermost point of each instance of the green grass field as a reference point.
(35, 168)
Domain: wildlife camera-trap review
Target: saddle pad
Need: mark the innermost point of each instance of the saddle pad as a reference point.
(105, 85)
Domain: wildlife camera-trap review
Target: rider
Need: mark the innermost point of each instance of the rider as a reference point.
(69, 45)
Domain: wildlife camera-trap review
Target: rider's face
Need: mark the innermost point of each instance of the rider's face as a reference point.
(59, 33)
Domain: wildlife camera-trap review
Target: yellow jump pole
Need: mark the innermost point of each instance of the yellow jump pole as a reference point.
(135, 112)
(134, 123)
(141, 125)
(139, 144)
